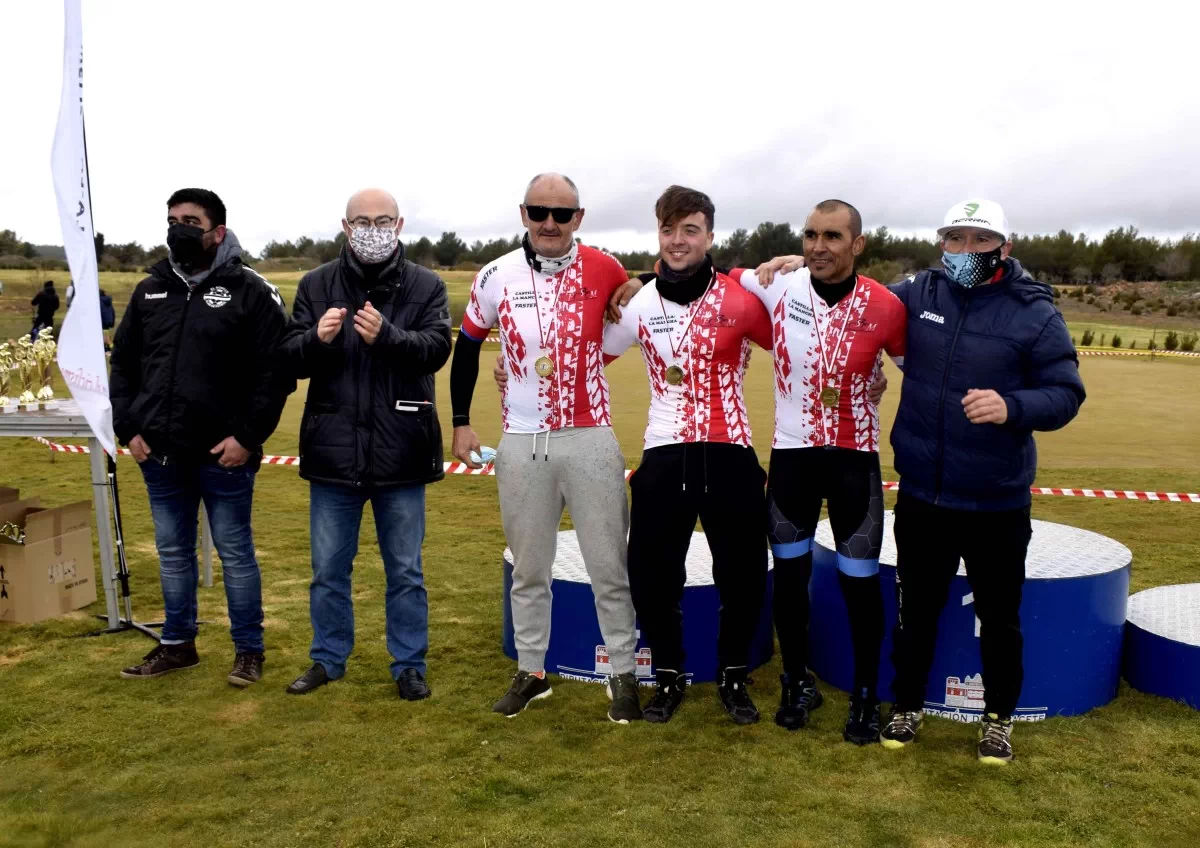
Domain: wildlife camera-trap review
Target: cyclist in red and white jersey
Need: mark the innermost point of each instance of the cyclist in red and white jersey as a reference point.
(694, 326)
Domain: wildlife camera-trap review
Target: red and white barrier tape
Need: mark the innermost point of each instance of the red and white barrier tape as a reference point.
(1136, 352)
(888, 485)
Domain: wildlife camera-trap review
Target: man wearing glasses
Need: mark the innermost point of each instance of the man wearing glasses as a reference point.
(369, 330)
(548, 299)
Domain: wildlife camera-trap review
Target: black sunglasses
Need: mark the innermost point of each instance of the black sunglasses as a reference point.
(562, 214)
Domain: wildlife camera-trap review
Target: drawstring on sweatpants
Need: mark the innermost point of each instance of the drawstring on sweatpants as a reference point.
(545, 448)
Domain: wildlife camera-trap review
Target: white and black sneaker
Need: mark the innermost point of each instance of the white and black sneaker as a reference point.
(668, 695)
(901, 729)
(731, 686)
(995, 740)
(525, 689)
(622, 690)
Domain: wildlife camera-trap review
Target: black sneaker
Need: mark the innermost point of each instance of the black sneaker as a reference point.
(623, 692)
(862, 725)
(668, 695)
(901, 729)
(731, 686)
(164, 659)
(247, 669)
(995, 740)
(525, 689)
(411, 685)
(797, 700)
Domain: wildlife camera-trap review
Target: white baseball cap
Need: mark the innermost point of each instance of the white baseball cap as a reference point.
(982, 214)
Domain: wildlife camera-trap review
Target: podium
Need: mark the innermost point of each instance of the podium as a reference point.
(577, 650)
(1072, 617)
(1162, 642)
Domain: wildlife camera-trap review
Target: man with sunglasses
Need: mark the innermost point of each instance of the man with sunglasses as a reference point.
(548, 299)
(369, 330)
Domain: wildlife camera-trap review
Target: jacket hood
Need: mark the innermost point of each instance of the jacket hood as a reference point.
(230, 250)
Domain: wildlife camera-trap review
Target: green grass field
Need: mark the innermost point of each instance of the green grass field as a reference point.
(89, 759)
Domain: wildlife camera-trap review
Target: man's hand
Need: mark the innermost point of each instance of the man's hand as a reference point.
(780, 264)
(368, 322)
(621, 297)
(231, 453)
(875, 395)
(985, 406)
(466, 441)
(330, 324)
(501, 374)
(139, 449)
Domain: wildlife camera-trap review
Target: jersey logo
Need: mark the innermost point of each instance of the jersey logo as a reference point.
(863, 326)
(159, 296)
(932, 316)
(718, 320)
(217, 296)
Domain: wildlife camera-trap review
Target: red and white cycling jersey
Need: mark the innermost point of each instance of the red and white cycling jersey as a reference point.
(709, 340)
(558, 316)
(849, 335)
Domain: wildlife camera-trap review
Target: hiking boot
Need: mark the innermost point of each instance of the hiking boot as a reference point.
(731, 686)
(797, 700)
(862, 725)
(622, 690)
(247, 669)
(995, 740)
(525, 689)
(412, 686)
(314, 678)
(669, 690)
(902, 727)
(164, 659)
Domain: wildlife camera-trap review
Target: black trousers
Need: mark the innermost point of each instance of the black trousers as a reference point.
(929, 542)
(722, 485)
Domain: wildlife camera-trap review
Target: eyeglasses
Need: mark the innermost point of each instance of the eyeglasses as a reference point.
(383, 222)
(562, 214)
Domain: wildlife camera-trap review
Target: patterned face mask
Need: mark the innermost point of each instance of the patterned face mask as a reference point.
(372, 244)
(971, 269)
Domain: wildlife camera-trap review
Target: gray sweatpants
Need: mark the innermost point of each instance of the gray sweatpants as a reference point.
(583, 469)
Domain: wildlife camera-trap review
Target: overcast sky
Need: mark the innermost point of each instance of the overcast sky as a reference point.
(1077, 115)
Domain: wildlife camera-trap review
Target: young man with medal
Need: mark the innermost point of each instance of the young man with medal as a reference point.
(830, 327)
(989, 360)
(694, 326)
(558, 449)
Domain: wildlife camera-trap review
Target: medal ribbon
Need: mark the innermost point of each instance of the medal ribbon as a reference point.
(695, 308)
(828, 367)
(537, 304)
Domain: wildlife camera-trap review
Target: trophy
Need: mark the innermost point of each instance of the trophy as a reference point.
(13, 533)
(43, 353)
(7, 404)
(27, 367)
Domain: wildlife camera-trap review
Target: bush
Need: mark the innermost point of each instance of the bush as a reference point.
(1116, 342)
(1091, 299)
(1171, 342)
(886, 272)
(1090, 290)
(1133, 345)
(1188, 342)
(1152, 345)
(17, 263)
(1055, 291)
(1135, 310)
(1088, 338)
(1172, 310)
(1102, 340)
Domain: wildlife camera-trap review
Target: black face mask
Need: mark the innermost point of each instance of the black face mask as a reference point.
(187, 245)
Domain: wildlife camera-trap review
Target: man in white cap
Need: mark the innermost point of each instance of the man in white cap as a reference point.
(988, 360)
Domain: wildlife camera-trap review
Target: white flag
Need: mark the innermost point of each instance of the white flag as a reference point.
(81, 341)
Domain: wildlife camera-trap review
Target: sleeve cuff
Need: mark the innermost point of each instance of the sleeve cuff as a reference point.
(1014, 411)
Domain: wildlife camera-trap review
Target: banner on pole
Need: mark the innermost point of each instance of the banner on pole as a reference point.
(81, 339)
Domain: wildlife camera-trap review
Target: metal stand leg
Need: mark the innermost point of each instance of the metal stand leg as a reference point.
(206, 548)
(104, 525)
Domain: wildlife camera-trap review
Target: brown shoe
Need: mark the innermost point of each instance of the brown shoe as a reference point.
(164, 659)
(247, 669)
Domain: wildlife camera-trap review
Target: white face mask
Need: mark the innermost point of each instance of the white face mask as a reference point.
(372, 245)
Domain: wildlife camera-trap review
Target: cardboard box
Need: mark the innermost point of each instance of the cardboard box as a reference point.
(8, 495)
(53, 572)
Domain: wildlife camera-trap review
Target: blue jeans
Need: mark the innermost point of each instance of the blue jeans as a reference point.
(228, 493)
(334, 520)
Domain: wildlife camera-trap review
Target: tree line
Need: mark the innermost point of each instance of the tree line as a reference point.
(1062, 258)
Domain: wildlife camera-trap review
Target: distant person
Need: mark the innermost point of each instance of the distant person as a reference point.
(46, 303)
(369, 330)
(988, 361)
(108, 317)
(70, 292)
(196, 389)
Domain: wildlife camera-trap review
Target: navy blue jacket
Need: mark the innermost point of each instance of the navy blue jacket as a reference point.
(1007, 336)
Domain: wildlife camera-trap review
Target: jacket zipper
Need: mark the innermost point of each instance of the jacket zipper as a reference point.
(175, 361)
(941, 441)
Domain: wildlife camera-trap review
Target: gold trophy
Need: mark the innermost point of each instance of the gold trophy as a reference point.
(43, 352)
(7, 404)
(27, 367)
(12, 533)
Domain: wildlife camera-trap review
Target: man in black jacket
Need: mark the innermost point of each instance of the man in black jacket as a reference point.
(46, 303)
(196, 389)
(369, 330)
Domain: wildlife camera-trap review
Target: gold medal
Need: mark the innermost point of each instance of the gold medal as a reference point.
(674, 375)
(830, 396)
(544, 367)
